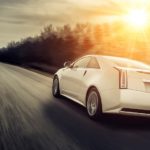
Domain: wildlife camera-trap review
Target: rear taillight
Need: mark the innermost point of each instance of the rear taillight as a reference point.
(123, 79)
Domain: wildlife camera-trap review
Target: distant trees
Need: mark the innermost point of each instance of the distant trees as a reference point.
(55, 45)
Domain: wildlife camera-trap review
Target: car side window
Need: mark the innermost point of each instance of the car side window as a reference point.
(93, 63)
(82, 63)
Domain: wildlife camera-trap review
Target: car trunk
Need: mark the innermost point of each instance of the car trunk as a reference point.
(139, 80)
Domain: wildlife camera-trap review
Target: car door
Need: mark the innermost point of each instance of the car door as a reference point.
(72, 77)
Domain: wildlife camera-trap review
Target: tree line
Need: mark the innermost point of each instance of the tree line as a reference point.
(54, 45)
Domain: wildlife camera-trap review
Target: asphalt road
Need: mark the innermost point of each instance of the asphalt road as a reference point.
(32, 119)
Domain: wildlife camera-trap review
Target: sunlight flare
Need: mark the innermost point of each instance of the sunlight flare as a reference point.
(137, 18)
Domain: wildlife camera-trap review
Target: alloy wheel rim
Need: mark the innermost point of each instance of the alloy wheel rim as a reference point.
(92, 103)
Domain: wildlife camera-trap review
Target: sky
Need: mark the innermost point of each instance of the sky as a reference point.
(23, 18)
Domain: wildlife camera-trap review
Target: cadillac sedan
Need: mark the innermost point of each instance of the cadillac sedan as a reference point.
(105, 84)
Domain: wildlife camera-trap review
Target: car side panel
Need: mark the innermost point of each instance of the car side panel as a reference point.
(106, 80)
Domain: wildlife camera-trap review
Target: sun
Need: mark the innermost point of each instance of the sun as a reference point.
(137, 18)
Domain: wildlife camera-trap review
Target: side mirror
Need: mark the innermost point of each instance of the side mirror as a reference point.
(67, 64)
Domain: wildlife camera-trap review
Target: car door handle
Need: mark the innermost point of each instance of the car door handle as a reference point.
(85, 72)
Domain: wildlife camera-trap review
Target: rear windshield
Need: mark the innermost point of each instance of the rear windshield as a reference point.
(128, 63)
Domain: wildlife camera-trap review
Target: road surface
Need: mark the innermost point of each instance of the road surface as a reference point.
(32, 119)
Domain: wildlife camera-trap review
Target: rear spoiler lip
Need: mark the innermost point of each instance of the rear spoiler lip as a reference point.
(133, 69)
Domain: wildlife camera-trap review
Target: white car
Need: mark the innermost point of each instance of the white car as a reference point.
(105, 84)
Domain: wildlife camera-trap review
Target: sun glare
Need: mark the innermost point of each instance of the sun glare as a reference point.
(137, 18)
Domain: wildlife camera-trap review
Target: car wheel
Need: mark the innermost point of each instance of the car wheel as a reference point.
(55, 87)
(93, 105)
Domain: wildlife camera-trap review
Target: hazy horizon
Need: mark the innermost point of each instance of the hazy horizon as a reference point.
(20, 19)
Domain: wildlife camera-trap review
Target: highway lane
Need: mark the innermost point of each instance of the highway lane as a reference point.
(31, 118)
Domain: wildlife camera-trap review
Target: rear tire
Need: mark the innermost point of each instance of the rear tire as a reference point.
(93, 103)
(55, 87)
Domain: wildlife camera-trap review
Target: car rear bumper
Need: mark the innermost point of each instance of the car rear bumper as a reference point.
(130, 102)
(135, 99)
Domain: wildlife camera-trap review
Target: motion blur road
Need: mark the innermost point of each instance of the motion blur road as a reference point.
(32, 119)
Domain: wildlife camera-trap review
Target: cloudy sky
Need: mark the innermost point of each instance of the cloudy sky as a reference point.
(22, 18)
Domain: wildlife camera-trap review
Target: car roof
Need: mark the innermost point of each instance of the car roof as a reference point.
(107, 56)
(115, 58)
